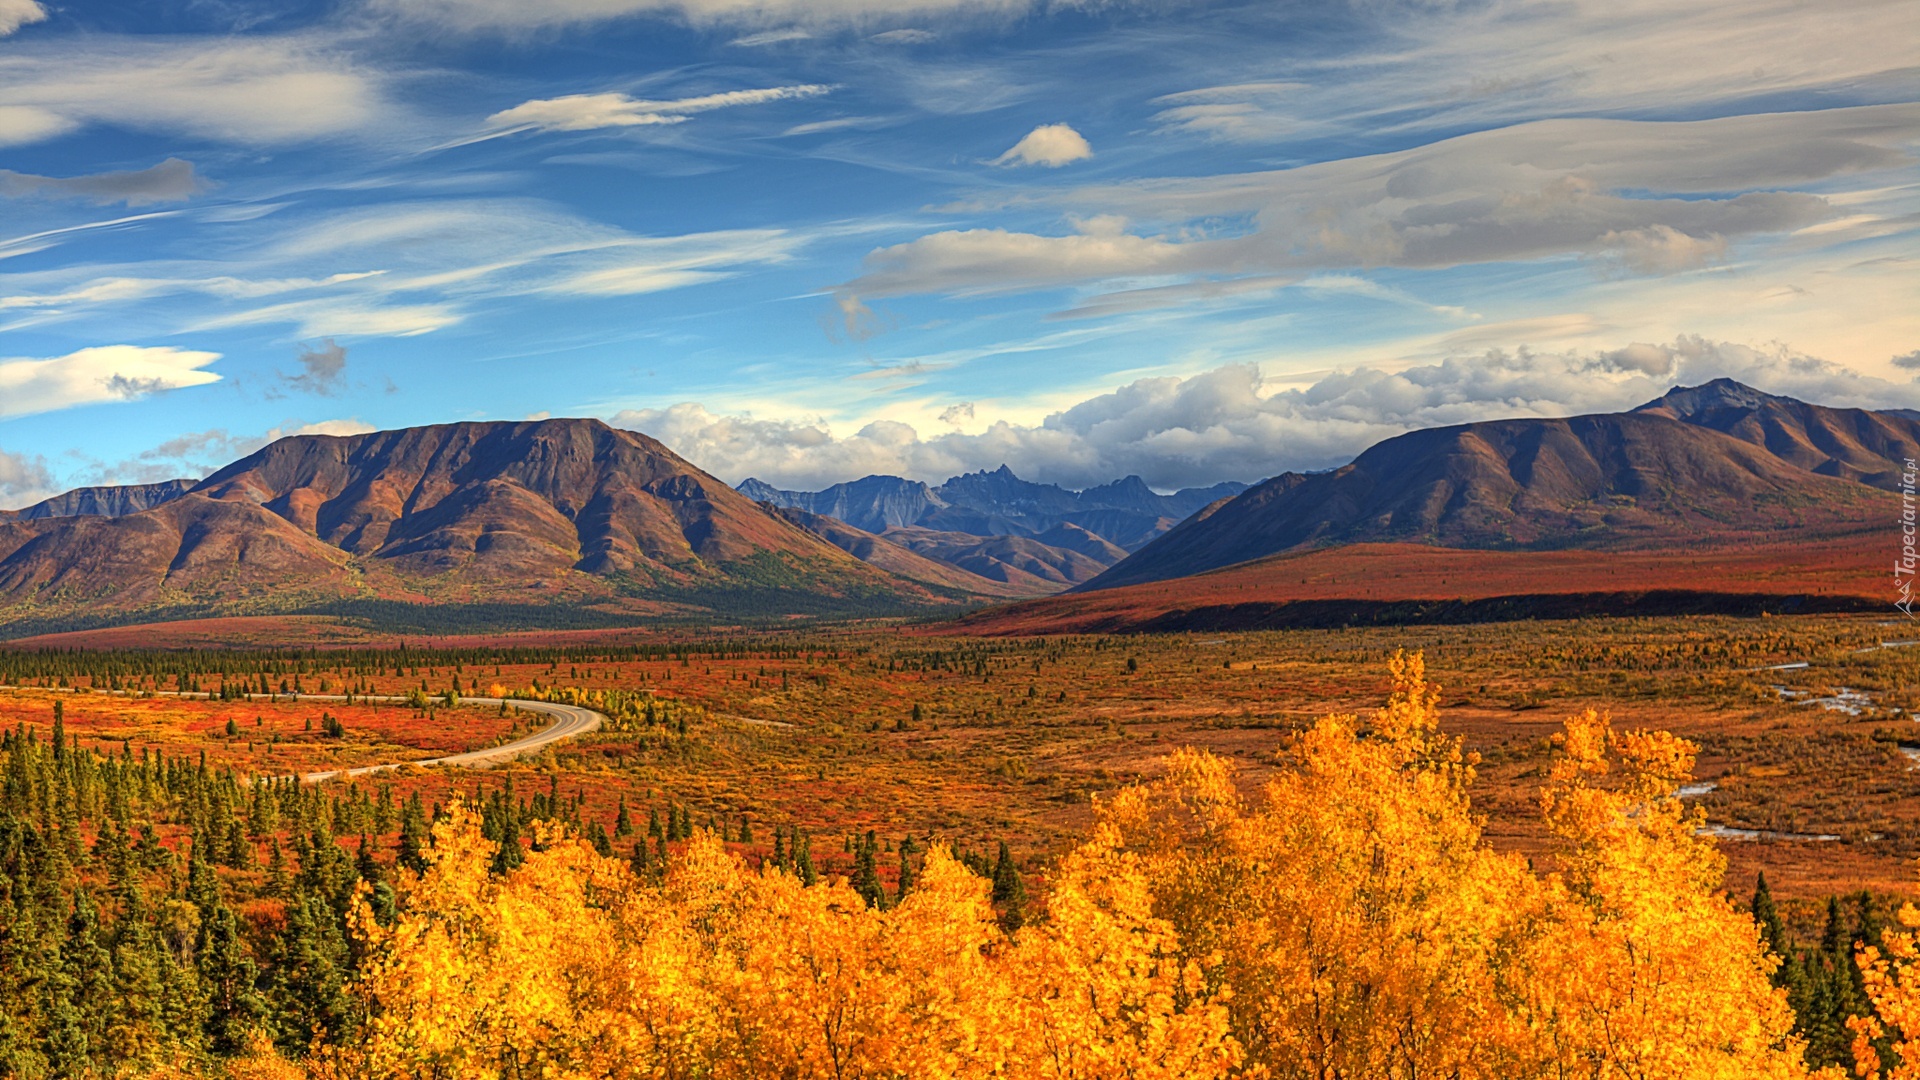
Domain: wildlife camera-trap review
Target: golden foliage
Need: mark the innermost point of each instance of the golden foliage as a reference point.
(1349, 923)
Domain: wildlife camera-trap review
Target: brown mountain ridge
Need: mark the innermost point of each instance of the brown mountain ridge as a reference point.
(528, 512)
(1711, 463)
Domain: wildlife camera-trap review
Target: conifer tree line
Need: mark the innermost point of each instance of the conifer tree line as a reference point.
(156, 912)
(270, 671)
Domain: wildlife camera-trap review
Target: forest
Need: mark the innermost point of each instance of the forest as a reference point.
(1345, 917)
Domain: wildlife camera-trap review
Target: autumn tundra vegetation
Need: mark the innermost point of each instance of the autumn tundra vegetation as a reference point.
(1344, 916)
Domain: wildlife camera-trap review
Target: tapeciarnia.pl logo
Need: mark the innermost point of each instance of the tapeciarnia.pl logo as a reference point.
(1903, 567)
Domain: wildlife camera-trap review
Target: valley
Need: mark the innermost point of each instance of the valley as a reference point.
(1015, 737)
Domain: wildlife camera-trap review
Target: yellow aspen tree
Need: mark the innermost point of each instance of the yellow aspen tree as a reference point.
(1102, 991)
(1640, 967)
(1358, 914)
(1892, 976)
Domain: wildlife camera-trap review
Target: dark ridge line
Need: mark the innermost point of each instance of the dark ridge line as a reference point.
(1523, 607)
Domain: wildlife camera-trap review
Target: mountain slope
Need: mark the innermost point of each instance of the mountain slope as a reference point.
(1605, 481)
(1024, 563)
(1854, 444)
(1125, 513)
(532, 512)
(900, 561)
(103, 501)
(537, 496)
(188, 548)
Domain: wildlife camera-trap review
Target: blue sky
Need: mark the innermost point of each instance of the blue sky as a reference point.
(813, 240)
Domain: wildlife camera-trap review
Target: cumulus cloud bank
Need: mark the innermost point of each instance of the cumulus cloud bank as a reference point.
(1051, 145)
(1232, 424)
(100, 374)
(201, 453)
(24, 480)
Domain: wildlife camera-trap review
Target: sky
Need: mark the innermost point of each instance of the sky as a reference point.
(809, 240)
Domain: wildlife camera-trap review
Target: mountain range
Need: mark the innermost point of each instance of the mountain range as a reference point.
(471, 513)
(1700, 464)
(1031, 538)
(576, 516)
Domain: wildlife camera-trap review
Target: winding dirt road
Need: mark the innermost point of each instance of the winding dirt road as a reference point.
(568, 722)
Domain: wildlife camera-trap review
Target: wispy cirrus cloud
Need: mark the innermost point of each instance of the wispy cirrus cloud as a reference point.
(257, 90)
(1651, 197)
(496, 16)
(403, 269)
(589, 112)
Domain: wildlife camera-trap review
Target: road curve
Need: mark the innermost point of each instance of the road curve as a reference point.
(568, 722)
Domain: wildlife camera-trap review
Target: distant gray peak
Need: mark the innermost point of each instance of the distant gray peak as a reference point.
(1687, 401)
(107, 501)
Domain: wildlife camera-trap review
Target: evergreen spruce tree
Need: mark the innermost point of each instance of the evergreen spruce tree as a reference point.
(866, 875)
(907, 876)
(86, 982)
(803, 859)
(228, 974)
(306, 987)
(1009, 892)
(415, 835)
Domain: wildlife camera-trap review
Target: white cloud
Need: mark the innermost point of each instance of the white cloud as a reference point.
(1663, 249)
(100, 374)
(1511, 56)
(24, 480)
(320, 427)
(905, 36)
(771, 37)
(1649, 196)
(977, 262)
(409, 268)
(522, 15)
(253, 90)
(21, 124)
(368, 315)
(588, 112)
(202, 453)
(15, 14)
(1051, 145)
(1231, 423)
(1244, 112)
